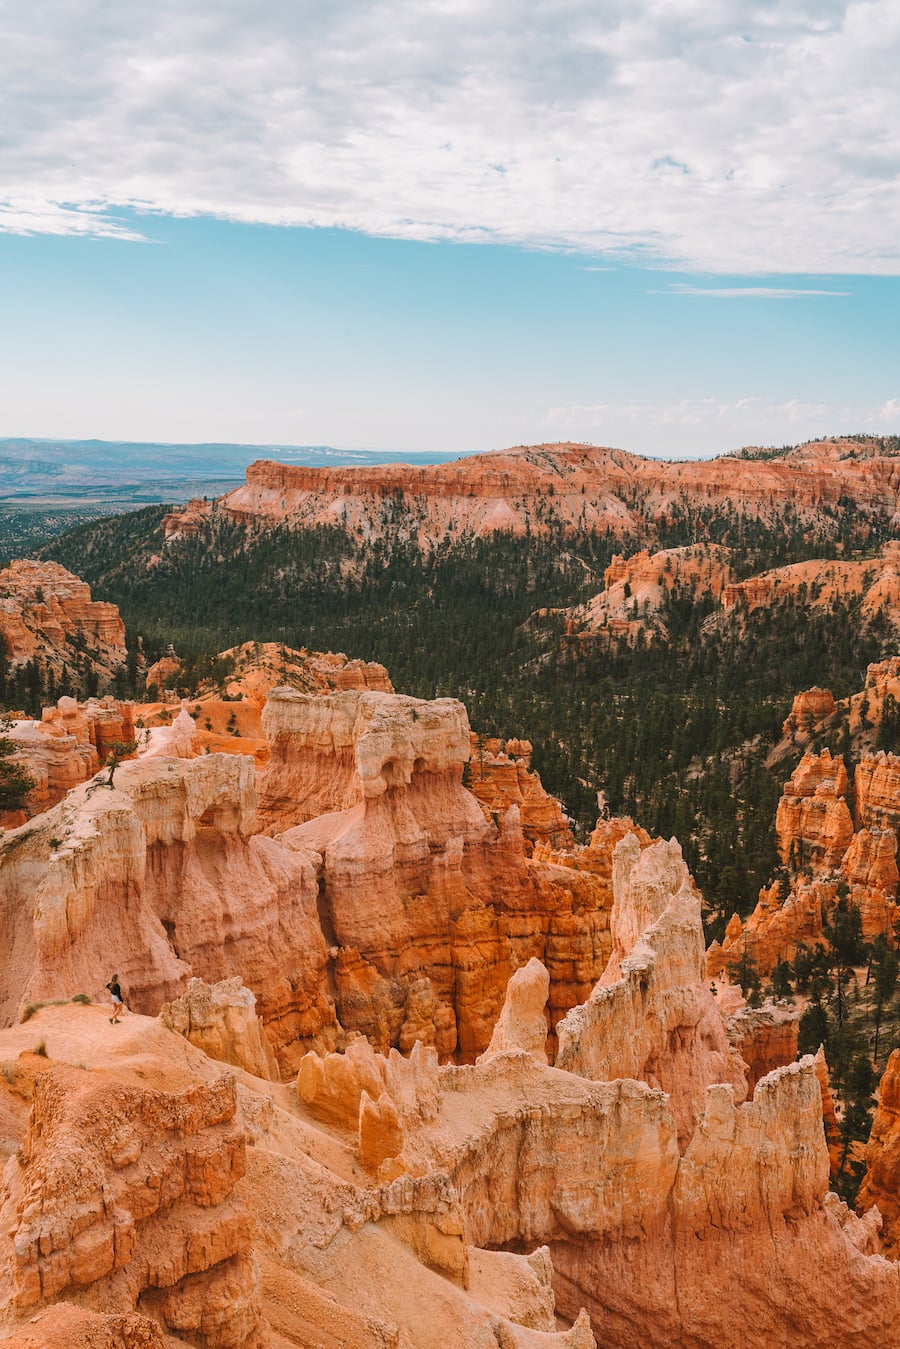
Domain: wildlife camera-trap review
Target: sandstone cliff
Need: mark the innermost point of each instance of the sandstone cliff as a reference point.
(133, 1205)
(581, 487)
(429, 907)
(121, 1200)
(636, 1231)
(500, 776)
(160, 879)
(68, 745)
(832, 839)
(873, 583)
(48, 614)
(396, 1192)
(881, 1183)
(636, 589)
(651, 1017)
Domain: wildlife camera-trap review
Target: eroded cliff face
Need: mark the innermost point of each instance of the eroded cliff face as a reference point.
(429, 906)
(122, 1200)
(580, 487)
(68, 745)
(637, 1225)
(48, 613)
(500, 776)
(159, 879)
(881, 1183)
(396, 910)
(636, 589)
(765, 1037)
(834, 840)
(652, 1017)
(818, 584)
(397, 1193)
(127, 1211)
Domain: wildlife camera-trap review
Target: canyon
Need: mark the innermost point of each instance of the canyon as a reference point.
(394, 1074)
(411, 1058)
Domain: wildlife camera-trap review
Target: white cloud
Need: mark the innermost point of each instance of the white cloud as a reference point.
(757, 137)
(748, 292)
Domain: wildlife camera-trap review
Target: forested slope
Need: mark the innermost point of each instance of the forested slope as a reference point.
(674, 731)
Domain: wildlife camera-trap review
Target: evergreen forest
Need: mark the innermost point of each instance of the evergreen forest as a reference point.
(674, 732)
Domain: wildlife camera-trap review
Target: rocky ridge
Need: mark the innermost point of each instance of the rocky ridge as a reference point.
(571, 1086)
(581, 487)
(500, 775)
(388, 906)
(47, 614)
(837, 844)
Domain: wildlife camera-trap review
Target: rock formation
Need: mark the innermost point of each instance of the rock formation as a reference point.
(121, 1199)
(66, 747)
(637, 588)
(834, 841)
(813, 823)
(652, 1017)
(815, 711)
(765, 1037)
(160, 879)
(881, 1183)
(636, 1229)
(580, 487)
(522, 1023)
(395, 1194)
(46, 613)
(429, 906)
(252, 670)
(872, 583)
(396, 910)
(142, 1231)
(221, 1020)
(500, 776)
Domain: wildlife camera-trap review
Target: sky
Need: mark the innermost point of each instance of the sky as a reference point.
(669, 225)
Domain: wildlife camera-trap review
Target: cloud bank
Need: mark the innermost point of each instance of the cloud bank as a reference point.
(707, 425)
(758, 137)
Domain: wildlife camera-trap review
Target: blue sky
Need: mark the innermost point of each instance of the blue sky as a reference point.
(451, 224)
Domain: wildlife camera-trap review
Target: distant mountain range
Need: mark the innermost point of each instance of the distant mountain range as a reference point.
(57, 469)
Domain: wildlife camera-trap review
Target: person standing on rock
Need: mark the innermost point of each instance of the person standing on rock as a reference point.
(115, 992)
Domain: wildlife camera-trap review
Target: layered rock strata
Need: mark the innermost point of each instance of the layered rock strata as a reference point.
(838, 844)
(765, 1037)
(427, 905)
(652, 1017)
(221, 1020)
(637, 589)
(500, 776)
(121, 1200)
(881, 1183)
(160, 879)
(637, 1224)
(47, 614)
(580, 487)
(68, 745)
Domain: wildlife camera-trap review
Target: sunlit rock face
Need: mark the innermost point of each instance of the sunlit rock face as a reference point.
(123, 1200)
(159, 879)
(834, 840)
(579, 487)
(47, 612)
(652, 1016)
(428, 905)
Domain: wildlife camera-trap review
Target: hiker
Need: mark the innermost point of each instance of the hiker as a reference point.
(115, 992)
